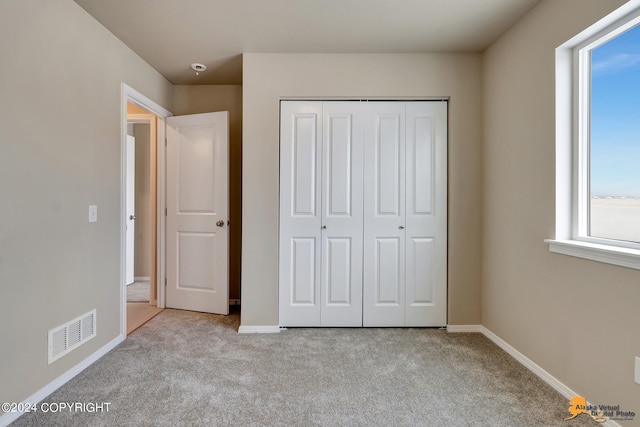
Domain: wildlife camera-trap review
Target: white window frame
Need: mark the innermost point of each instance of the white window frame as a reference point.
(573, 78)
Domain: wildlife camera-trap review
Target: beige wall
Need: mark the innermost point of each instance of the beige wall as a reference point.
(270, 77)
(59, 152)
(577, 319)
(204, 99)
(142, 249)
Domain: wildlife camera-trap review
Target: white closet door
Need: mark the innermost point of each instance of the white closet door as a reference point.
(300, 213)
(363, 214)
(341, 274)
(426, 214)
(384, 214)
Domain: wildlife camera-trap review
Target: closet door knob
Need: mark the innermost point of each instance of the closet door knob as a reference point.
(401, 227)
(324, 227)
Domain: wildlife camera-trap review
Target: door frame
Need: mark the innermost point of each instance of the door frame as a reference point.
(128, 94)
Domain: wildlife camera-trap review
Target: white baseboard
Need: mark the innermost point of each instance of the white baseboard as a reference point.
(464, 328)
(45, 391)
(259, 329)
(536, 369)
(142, 279)
(529, 364)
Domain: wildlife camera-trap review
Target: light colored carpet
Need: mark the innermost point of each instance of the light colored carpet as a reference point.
(138, 292)
(193, 369)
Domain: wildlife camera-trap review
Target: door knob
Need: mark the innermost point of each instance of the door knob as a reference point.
(401, 227)
(132, 217)
(220, 223)
(324, 227)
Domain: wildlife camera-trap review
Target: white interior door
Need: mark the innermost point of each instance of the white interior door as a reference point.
(130, 198)
(198, 212)
(384, 214)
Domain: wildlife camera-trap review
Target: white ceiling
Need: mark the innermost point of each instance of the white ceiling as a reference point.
(172, 34)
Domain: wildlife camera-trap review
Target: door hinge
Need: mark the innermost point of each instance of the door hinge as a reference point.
(165, 211)
(165, 142)
(165, 282)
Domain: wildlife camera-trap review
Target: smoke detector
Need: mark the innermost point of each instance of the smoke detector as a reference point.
(197, 67)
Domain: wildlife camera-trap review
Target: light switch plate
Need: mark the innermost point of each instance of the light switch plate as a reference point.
(93, 213)
(637, 370)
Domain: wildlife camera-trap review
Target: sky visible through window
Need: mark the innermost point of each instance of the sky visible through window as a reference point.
(615, 117)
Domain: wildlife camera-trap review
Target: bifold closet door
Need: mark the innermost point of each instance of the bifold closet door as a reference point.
(405, 214)
(320, 266)
(363, 213)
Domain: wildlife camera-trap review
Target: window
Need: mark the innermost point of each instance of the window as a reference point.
(610, 137)
(598, 141)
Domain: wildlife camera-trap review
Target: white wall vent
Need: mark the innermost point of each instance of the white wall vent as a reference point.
(71, 335)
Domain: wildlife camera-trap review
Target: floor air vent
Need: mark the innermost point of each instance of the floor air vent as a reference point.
(71, 335)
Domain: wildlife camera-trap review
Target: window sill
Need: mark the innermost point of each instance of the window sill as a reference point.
(624, 257)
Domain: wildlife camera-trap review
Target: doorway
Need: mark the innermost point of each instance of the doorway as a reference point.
(140, 217)
(145, 121)
(137, 108)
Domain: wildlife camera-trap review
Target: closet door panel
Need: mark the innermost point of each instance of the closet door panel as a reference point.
(341, 295)
(426, 226)
(387, 165)
(388, 273)
(338, 258)
(420, 278)
(338, 159)
(300, 213)
(384, 214)
(302, 277)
